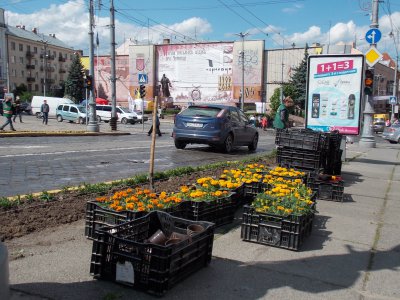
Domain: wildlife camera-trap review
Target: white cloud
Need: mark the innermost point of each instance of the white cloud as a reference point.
(70, 23)
(293, 9)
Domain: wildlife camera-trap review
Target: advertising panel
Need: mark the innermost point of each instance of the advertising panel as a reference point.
(253, 70)
(195, 73)
(141, 61)
(334, 93)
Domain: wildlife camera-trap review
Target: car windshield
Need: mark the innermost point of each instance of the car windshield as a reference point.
(125, 110)
(82, 109)
(201, 111)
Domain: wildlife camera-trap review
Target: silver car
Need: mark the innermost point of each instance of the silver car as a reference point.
(392, 133)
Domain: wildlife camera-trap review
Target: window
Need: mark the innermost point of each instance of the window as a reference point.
(74, 109)
(21, 47)
(37, 75)
(12, 45)
(34, 49)
(99, 107)
(22, 73)
(13, 59)
(29, 87)
(107, 108)
(234, 116)
(28, 48)
(21, 60)
(13, 72)
(65, 108)
(36, 87)
(59, 107)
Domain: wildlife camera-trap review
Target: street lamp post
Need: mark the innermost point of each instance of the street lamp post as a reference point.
(44, 63)
(242, 35)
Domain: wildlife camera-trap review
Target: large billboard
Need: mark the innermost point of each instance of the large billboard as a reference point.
(197, 73)
(334, 93)
(141, 61)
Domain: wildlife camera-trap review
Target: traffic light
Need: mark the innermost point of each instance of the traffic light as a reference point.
(369, 82)
(88, 82)
(142, 91)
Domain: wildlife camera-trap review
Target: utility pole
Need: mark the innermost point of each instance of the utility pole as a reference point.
(281, 89)
(367, 138)
(242, 35)
(395, 71)
(92, 126)
(44, 63)
(113, 120)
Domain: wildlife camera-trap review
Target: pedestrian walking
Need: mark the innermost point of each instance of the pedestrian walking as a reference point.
(44, 109)
(264, 123)
(17, 109)
(281, 120)
(157, 127)
(8, 113)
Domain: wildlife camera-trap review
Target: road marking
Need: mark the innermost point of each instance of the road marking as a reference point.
(83, 151)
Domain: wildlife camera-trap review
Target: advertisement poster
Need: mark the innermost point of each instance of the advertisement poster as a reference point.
(334, 93)
(199, 73)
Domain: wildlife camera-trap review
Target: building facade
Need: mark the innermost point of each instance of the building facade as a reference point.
(39, 61)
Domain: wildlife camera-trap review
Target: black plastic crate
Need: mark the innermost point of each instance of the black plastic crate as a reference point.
(251, 190)
(98, 216)
(284, 232)
(220, 211)
(299, 139)
(122, 253)
(328, 190)
(300, 159)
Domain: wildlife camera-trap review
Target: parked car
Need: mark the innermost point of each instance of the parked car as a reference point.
(378, 126)
(216, 125)
(103, 113)
(26, 107)
(72, 113)
(392, 133)
(141, 118)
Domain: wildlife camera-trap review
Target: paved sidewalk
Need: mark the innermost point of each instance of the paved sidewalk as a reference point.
(352, 253)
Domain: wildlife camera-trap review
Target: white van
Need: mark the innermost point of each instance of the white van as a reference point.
(103, 113)
(53, 103)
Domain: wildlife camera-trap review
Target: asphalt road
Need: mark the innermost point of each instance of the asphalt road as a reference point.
(35, 164)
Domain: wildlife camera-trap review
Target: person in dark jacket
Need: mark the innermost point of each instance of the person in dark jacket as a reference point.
(157, 127)
(8, 113)
(45, 109)
(281, 120)
(17, 109)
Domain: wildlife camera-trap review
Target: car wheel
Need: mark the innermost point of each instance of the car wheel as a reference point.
(393, 142)
(180, 145)
(254, 143)
(59, 118)
(98, 119)
(228, 144)
(124, 121)
(81, 120)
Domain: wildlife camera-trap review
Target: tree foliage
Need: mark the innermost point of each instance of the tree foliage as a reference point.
(298, 82)
(101, 93)
(20, 89)
(74, 85)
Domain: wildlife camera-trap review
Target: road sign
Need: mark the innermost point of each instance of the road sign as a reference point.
(373, 35)
(142, 78)
(392, 99)
(372, 56)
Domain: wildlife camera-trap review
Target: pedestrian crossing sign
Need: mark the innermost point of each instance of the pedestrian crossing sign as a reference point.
(142, 78)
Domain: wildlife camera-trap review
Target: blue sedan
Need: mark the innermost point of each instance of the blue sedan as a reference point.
(221, 126)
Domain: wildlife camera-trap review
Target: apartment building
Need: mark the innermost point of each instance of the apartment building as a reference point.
(39, 61)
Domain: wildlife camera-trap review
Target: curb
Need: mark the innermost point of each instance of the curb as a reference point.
(60, 133)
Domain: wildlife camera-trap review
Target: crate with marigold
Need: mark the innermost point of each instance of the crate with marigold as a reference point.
(281, 216)
(126, 205)
(214, 206)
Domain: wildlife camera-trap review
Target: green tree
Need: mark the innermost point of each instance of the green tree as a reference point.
(298, 81)
(74, 85)
(275, 101)
(20, 89)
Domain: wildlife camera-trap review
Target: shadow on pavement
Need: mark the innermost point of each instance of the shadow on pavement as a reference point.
(376, 162)
(230, 279)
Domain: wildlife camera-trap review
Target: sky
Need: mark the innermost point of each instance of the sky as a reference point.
(281, 23)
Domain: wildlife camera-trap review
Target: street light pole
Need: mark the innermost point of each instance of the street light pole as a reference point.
(367, 138)
(92, 125)
(242, 35)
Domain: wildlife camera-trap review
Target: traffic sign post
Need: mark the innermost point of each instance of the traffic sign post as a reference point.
(142, 78)
(372, 56)
(393, 100)
(373, 35)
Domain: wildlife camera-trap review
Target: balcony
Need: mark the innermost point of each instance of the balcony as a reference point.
(30, 67)
(31, 79)
(48, 81)
(47, 56)
(61, 59)
(30, 54)
(48, 69)
(62, 71)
